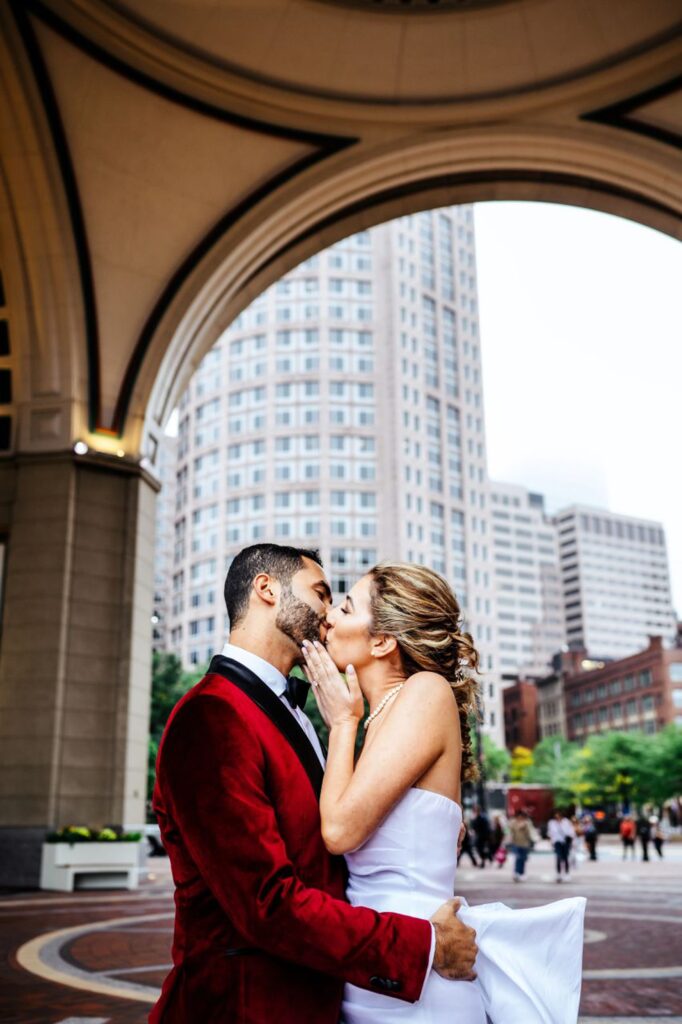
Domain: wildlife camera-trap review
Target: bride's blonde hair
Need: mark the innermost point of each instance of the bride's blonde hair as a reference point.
(417, 607)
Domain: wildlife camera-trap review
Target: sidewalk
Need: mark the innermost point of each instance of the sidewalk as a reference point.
(101, 957)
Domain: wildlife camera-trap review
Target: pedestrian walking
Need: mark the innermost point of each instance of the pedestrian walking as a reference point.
(657, 834)
(468, 848)
(557, 837)
(644, 833)
(521, 838)
(496, 835)
(480, 824)
(572, 839)
(627, 832)
(590, 835)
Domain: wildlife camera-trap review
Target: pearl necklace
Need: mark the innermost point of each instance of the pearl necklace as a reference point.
(382, 704)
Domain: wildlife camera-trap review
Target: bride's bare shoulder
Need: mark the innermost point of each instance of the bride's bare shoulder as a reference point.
(433, 680)
(428, 690)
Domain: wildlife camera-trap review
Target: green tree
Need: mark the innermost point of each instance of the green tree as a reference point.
(664, 770)
(169, 683)
(496, 760)
(614, 767)
(554, 761)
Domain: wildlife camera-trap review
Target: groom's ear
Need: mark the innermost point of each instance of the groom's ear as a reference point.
(266, 588)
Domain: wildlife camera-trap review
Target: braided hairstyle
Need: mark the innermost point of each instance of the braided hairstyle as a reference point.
(416, 606)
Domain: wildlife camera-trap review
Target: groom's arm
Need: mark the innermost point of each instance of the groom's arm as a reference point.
(212, 775)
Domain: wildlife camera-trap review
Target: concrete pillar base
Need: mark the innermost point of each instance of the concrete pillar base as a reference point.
(75, 663)
(20, 850)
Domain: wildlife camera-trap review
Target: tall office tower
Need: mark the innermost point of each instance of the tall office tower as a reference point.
(343, 410)
(616, 582)
(166, 465)
(530, 615)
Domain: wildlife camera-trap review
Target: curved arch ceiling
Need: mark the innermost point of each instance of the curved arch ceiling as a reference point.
(182, 130)
(397, 54)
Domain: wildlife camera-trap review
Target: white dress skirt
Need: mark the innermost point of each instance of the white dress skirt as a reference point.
(529, 963)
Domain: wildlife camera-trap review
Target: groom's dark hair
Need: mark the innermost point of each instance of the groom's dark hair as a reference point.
(277, 560)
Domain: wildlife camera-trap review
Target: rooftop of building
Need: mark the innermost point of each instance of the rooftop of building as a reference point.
(577, 509)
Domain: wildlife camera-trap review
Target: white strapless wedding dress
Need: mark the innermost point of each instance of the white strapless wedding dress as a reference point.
(529, 963)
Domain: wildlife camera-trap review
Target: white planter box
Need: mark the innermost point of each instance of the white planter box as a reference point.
(105, 865)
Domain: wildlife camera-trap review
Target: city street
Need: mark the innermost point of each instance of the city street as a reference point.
(94, 958)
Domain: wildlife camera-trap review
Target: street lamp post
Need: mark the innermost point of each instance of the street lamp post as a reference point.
(480, 785)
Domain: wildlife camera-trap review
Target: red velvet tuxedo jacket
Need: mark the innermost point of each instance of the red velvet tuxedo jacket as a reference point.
(262, 929)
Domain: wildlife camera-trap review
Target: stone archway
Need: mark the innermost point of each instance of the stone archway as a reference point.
(493, 164)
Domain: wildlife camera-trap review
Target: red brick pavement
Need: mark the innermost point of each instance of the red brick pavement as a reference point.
(632, 920)
(28, 999)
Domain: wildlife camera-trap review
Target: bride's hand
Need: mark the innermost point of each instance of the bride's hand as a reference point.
(339, 701)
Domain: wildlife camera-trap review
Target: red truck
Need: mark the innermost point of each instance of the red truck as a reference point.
(506, 797)
(538, 801)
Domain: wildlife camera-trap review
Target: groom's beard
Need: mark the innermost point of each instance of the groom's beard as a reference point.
(296, 619)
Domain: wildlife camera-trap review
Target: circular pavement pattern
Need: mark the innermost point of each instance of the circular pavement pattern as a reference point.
(86, 958)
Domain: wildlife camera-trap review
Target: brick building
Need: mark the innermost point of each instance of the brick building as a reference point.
(520, 714)
(551, 711)
(641, 692)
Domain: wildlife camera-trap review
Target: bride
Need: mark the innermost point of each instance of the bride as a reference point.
(396, 813)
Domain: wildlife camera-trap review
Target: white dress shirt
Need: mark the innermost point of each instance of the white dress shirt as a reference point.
(567, 828)
(555, 831)
(273, 678)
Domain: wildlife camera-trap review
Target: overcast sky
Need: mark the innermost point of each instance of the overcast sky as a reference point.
(581, 341)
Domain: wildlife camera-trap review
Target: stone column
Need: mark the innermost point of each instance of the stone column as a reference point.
(75, 649)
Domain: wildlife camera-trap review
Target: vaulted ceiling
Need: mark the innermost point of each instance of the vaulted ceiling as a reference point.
(164, 160)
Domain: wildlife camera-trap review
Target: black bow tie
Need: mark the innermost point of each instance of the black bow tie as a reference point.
(297, 691)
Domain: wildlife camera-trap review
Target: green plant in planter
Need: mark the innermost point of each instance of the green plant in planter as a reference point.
(107, 834)
(81, 834)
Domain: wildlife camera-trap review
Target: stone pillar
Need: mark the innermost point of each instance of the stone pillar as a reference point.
(75, 649)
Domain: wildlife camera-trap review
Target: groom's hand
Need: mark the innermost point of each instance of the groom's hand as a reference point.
(456, 947)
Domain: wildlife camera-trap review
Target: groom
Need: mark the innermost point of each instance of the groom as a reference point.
(262, 929)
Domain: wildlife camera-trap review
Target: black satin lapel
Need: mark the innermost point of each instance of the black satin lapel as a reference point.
(254, 688)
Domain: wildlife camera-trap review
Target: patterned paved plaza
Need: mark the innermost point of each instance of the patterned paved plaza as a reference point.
(99, 957)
